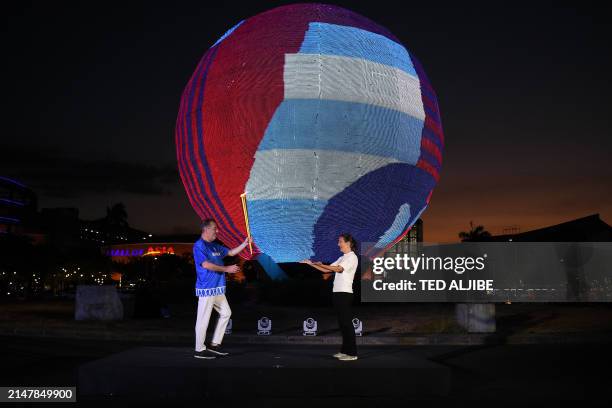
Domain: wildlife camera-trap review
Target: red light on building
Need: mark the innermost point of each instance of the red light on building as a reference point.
(159, 251)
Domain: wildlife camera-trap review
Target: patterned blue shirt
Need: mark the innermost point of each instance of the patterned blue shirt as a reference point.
(209, 283)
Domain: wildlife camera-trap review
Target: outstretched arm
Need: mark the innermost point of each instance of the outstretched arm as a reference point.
(322, 267)
(333, 268)
(239, 248)
(200, 258)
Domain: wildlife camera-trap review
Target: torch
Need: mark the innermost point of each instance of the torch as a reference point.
(246, 219)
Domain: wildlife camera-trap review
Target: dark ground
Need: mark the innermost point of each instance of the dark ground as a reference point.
(576, 373)
(499, 375)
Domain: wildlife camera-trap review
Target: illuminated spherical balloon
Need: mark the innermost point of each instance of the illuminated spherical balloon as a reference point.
(326, 122)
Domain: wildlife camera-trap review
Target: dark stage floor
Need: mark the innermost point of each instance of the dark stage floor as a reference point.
(128, 373)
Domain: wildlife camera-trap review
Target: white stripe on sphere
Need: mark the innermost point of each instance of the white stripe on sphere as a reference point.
(308, 174)
(315, 76)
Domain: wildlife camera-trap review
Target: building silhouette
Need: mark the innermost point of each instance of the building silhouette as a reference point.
(586, 229)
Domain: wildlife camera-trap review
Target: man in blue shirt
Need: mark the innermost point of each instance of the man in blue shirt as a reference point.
(210, 288)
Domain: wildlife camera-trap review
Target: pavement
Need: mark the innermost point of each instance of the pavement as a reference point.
(150, 373)
(124, 373)
(541, 354)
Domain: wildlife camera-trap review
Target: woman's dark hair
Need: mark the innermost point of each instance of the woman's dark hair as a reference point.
(349, 238)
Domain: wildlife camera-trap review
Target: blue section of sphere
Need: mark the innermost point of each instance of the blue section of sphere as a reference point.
(331, 39)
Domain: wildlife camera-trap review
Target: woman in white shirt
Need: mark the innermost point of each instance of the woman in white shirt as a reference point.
(344, 268)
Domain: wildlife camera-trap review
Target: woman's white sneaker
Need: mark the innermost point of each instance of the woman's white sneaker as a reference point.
(338, 355)
(347, 358)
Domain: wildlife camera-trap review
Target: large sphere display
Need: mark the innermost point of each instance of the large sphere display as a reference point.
(325, 121)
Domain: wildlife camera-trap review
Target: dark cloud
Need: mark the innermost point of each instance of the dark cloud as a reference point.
(54, 174)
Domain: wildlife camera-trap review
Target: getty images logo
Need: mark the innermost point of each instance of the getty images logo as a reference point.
(404, 262)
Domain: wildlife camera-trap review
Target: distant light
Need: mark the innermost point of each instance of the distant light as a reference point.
(150, 235)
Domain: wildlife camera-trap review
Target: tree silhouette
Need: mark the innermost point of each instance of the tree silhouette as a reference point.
(475, 234)
(116, 216)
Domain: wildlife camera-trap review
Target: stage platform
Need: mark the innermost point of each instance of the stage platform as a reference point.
(149, 373)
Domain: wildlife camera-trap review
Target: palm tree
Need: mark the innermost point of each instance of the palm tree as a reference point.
(116, 216)
(475, 234)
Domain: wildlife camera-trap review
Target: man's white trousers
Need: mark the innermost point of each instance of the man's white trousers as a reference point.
(205, 307)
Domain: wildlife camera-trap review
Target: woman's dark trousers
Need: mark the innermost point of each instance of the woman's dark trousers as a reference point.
(342, 304)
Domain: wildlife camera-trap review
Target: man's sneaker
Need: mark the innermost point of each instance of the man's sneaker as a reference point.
(205, 354)
(338, 355)
(347, 358)
(217, 350)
